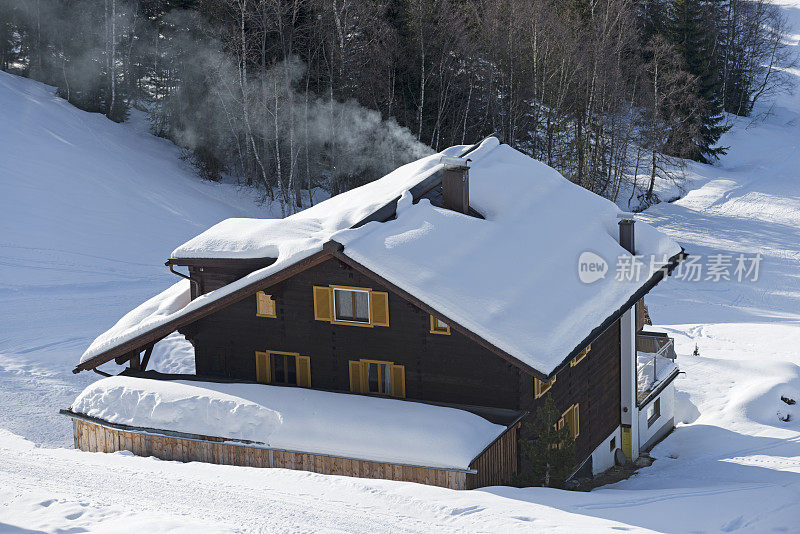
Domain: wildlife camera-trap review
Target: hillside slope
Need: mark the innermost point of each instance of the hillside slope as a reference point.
(90, 211)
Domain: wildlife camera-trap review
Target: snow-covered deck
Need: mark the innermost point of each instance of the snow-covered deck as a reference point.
(295, 419)
(655, 362)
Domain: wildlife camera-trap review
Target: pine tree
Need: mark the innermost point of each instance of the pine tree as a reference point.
(551, 453)
(691, 28)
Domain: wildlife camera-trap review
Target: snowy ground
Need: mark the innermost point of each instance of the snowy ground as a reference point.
(69, 268)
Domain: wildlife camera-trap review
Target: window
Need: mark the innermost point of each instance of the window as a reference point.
(653, 412)
(540, 387)
(283, 368)
(581, 355)
(612, 445)
(572, 419)
(265, 305)
(439, 327)
(354, 306)
(351, 305)
(377, 377)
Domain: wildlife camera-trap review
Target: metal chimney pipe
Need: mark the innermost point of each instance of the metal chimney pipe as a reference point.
(626, 235)
(455, 184)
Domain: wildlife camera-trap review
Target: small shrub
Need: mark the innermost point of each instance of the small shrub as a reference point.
(787, 400)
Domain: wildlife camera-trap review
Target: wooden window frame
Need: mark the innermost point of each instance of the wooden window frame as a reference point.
(268, 380)
(377, 306)
(274, 305)
(336, 320)
(538, 387)
(581, 355)
(363, 386)
(434, 327)
(365, 377)
(286, 356)
(575, 408)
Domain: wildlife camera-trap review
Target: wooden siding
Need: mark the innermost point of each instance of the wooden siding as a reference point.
(93, 437)
(452, 369)
(211, 278)
(497, 465)
(594, 384)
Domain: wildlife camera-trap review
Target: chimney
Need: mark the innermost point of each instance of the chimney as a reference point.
(626, 237)
(455, 184)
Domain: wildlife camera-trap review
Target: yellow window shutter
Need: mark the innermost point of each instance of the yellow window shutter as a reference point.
(398, 378)
(263, 368)
(364, 376)
(355, 377)
(323, 308)
(379, 308)
(303, 364)
(576, 429)
(265, 305)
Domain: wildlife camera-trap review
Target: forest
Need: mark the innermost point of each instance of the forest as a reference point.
(294, 97)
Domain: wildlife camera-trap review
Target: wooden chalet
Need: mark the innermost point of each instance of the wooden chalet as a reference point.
(400, 289)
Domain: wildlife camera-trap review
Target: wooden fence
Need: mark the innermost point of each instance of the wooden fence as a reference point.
(95, 437)
(495, 465)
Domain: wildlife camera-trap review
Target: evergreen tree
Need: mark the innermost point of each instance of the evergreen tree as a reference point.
(551, 453)
(692, 30)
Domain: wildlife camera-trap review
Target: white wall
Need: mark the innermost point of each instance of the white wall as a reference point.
(603, 455)
(627, 324)
(667, 397)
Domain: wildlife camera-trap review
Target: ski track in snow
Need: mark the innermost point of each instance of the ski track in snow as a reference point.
(118, 200)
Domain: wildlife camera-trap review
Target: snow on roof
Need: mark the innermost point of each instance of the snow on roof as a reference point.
(289, 240)
(296, 419)
(146, 315)
(512, 278)
(263, 238)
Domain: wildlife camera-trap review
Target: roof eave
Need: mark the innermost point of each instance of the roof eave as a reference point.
(151, 336)
(648, 286)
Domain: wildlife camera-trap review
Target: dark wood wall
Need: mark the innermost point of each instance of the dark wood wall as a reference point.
(594, 384)
(438, 368)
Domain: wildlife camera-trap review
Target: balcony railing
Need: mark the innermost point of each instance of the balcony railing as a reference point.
(655, 361)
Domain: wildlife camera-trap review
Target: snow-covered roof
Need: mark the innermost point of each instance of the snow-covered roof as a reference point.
(511, 278)
(268, 238)
(295, 419)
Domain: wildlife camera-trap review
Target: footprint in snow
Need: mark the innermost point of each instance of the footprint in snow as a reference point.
(733, 524)
(466, 511)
